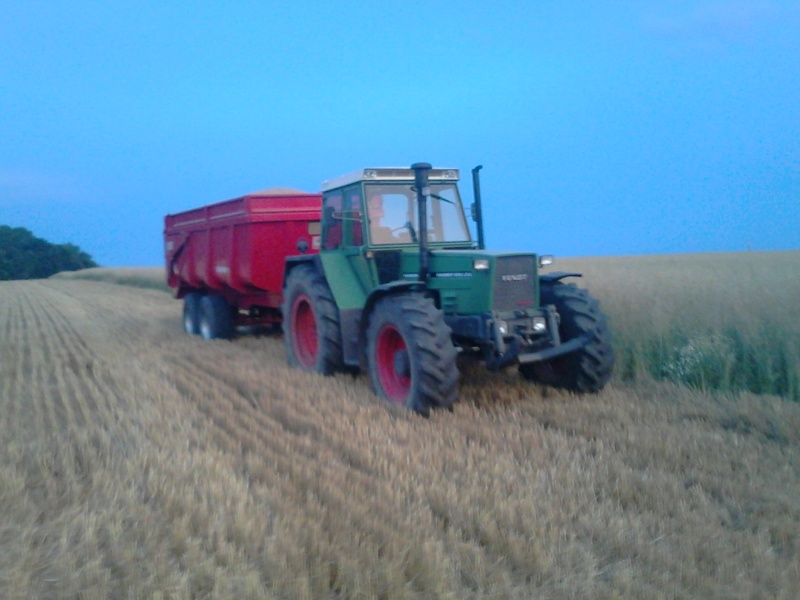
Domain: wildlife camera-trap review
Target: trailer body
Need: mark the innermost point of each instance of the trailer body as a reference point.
(237, 249)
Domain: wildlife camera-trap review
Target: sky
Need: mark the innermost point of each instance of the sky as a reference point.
(604, 127)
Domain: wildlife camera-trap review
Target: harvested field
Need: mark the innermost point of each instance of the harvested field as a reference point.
(138, 462)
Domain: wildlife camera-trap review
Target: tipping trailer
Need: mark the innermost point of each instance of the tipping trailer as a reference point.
(225, 260)
(380, 272)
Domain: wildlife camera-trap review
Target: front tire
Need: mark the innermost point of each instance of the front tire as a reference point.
(311, 330)
(588, 369)
(412, 360)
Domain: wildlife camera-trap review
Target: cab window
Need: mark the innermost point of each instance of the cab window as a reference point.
(342, 222)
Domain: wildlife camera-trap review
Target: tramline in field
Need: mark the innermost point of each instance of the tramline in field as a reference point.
(380, 272)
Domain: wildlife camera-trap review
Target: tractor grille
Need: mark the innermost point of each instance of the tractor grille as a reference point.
(514, 282)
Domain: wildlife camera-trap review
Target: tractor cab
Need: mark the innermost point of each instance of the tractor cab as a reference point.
(378, 208)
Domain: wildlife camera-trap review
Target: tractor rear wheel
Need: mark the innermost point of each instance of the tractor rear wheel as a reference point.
(216, 318)
(191, 313)
(588, 369)
(311, 330)
(412, 360)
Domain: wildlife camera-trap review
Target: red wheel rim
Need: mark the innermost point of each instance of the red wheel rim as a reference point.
(396, 385)
(304, 331)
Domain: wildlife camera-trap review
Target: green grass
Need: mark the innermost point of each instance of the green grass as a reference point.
(726, 322)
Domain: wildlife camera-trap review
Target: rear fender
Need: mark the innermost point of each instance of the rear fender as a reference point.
(293, 262)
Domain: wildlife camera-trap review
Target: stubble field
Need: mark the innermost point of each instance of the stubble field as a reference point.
(138, 462)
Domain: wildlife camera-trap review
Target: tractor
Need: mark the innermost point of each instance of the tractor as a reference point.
(400, 289)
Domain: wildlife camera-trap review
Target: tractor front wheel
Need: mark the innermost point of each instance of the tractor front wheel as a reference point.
(589, 368)
(311, 330)
(412, 360)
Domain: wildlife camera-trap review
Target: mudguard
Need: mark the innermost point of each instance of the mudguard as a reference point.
(557, 276)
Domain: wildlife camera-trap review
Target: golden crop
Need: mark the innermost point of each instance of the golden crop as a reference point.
(139, 462)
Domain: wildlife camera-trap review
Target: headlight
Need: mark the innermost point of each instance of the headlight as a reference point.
(539, 324)
(546, 259)
(480, 264)
(502, 327)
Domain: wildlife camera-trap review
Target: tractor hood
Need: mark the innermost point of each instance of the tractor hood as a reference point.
(478, 281)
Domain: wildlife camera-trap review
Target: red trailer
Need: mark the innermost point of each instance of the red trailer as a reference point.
(227, 259)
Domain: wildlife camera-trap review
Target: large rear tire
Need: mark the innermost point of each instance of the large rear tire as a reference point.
(588, 369)
(311, 330)
(412, 360)
(191, 313)
(216, 318)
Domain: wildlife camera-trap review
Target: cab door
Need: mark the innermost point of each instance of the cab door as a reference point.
(344, 230)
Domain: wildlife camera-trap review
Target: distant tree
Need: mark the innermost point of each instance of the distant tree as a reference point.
(25, 256)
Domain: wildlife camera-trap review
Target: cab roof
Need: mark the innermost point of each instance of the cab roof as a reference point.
(389, 174)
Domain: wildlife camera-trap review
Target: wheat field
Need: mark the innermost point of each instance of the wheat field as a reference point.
(727, 321)
(138, 462)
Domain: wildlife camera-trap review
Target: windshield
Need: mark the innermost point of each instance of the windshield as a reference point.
(392, 213)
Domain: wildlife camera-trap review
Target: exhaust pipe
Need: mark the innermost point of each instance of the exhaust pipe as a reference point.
(477, 211)
(421, 171)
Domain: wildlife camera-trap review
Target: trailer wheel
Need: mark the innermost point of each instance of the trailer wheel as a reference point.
(191, 313)
(216, 318)
(586, 370)
(311, 330)
(412, 360)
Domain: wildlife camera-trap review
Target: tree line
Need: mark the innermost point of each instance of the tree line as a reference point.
(25, 256)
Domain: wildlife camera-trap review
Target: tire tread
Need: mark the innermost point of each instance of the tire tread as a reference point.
(429, 342)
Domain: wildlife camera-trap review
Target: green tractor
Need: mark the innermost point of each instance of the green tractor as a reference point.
(400, 289)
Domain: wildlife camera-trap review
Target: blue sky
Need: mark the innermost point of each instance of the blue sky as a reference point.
(604, 128)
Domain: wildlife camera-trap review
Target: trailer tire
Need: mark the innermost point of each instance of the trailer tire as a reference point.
(588, 369)
(311, 329)
(216, 318)
(191, 313)
(411, 357)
